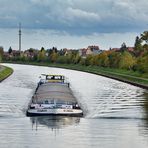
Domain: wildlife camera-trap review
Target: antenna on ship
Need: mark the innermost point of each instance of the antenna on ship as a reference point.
(20, 33)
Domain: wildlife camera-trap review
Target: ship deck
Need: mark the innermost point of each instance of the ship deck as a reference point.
(54, 91)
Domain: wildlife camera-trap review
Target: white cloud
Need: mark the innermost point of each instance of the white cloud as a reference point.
(81, 14)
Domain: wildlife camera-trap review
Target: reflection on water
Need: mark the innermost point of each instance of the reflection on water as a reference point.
(54, 122)
(116, 113)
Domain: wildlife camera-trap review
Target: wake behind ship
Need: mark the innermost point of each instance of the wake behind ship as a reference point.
(53, 96)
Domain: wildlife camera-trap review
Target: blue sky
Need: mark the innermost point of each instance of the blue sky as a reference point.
(76, 18)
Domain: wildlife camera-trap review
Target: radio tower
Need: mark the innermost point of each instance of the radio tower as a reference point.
(20, 33)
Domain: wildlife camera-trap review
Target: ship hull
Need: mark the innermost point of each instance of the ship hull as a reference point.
(54, 112)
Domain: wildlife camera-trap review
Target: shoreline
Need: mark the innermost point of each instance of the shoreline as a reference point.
(133, 80)
(5, 72)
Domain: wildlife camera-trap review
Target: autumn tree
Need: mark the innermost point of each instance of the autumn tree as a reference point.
(127, 61)
(103, 59)
(142, 62)
(53, 57)
(41, 55)
(114, 59)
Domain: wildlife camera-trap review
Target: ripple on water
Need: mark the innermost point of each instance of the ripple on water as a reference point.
(113, 113)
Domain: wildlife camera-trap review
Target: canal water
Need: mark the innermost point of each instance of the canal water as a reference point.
(116, 113)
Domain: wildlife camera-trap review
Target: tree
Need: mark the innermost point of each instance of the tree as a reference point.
(77, 59)
(1, 53)
(142, 62)
(127, 61)
(123, 47)
(10, 50)
(42, 55)
(0, 57)
(89, 60)
(42, 49)
(53, 57)
(103, 59)
(114, 59)
(144, 37)
(138, 46)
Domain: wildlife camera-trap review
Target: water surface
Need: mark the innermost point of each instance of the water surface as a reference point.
(116, 113)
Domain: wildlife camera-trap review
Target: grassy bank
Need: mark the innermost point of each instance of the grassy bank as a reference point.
(5, 72)
(131, 77)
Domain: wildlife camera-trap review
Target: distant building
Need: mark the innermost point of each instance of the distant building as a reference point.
(90, 50)
(82, 52)
(115, 49)
(70, 51)
(130, 49)
(30, 53)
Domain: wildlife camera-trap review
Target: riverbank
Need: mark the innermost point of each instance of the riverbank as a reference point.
(5, 72)
(130, 77)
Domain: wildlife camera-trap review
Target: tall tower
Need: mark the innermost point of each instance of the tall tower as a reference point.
(20, 33)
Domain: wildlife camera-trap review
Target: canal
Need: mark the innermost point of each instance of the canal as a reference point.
(116, 113)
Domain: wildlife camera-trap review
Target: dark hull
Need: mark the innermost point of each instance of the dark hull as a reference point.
(38, 114)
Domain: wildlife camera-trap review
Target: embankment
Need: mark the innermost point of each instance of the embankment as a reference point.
(5, 72)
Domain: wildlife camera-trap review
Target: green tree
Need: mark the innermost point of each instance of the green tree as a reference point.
(1, 53)
(10, 50)
(1, 50)
(89, 60)
(0, 57)
(77, 59)
(144, 37)
(127, 61)
(142, 62)
(138, 46)
(114, 59)
(103, 59)
(123, 47)
(83, 61)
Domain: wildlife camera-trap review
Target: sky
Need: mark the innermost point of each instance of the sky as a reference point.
(72, 23)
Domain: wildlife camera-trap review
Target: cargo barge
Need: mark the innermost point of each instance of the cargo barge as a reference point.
(53, 96)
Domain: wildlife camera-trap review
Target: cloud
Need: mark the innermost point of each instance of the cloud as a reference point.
(75, 16)
(81, 14)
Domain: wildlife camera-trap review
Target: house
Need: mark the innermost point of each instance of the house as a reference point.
(90, 50)
(30, 53)
(70, 51)
(115, 49)
(82, 52)
(130, 49)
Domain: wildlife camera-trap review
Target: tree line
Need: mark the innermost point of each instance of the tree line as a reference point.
(136, 60)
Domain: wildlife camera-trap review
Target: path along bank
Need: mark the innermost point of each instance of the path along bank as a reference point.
(5, 72)
(129, 77)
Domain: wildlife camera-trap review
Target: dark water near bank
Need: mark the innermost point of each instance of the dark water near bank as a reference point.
(116, 114)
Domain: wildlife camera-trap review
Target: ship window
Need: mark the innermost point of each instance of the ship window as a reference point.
(60, 102)
(51, 101)
(46, 101)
